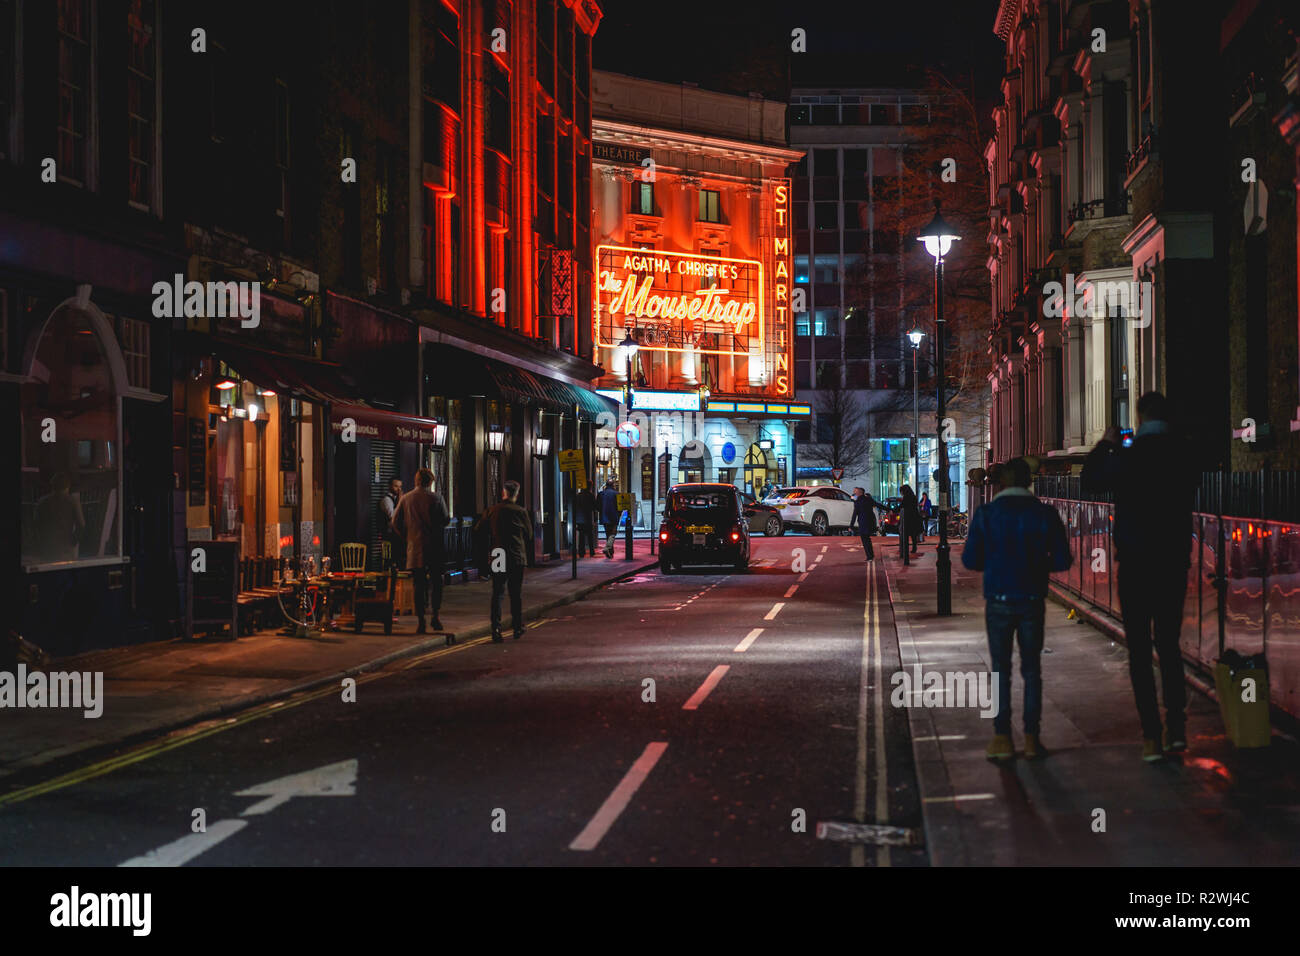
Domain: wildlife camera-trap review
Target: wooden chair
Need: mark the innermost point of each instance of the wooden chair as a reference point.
(352, 556)
(376, 607)
(404, 602)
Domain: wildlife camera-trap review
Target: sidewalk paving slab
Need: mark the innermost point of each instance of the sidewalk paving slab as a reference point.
(1213, 806)
(151, 689)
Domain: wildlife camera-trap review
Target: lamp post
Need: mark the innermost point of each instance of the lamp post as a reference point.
(938, 237)
(629, 346)
(915, 337)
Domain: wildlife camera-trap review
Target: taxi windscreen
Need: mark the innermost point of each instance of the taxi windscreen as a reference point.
(701, 501)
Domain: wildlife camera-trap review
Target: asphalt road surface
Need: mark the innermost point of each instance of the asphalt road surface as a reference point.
(761, 721)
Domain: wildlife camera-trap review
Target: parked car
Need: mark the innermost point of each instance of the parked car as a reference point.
(762, 516)
(703, 524)
(821, 510)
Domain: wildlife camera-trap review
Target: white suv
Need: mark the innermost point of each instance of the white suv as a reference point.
(819, 510)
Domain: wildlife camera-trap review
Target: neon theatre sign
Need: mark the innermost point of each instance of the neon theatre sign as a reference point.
(678, 301)
(781, 297)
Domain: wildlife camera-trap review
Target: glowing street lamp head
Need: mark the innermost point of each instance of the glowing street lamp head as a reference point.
(628, 345)
(938, 236)
(915, 337)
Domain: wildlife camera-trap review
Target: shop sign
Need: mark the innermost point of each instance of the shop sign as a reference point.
(612, 153)
(383, 425)
(678, 301)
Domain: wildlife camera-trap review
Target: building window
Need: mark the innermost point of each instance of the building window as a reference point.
(498, 118)
(351, 245)
(441, 54)
(74, 90)
(9, 54)
(281, 120)
(133, 337)
(710, 207)
(643, 199)
(71, 488)
(141, 71)
(385, 216)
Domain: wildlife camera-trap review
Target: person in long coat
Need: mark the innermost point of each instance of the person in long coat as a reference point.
(420, 517)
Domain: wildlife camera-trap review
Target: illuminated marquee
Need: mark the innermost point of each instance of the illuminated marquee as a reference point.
(679, 301)
(781, 296)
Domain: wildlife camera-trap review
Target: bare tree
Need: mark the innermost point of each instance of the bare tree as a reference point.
(842, 421)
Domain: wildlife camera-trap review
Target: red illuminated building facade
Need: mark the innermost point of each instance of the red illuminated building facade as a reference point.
(693, 261)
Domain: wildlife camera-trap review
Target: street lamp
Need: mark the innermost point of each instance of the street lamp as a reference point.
(629, 346)
(915, 337)
(938, 237)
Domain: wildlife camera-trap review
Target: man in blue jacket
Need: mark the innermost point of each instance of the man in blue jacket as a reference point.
(1016, 540)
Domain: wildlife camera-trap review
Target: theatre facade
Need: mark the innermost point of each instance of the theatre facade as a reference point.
(693, 268)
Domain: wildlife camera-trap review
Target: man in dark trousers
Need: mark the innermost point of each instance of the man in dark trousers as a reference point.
(1016, 540)
(1154, 486)
(584, 521)
(420, 517)
(609, 514)
(384, 515)
(864, 516)
(511, 536)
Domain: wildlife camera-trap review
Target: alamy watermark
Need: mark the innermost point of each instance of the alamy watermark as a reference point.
(83, 690)
(219, 300)
(1131, 300)
(946, 689)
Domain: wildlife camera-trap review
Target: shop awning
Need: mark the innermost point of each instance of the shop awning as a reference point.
(385, 425)
(465, 374)
(324, 383)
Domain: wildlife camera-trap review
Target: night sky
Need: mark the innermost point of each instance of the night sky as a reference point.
(743, 46)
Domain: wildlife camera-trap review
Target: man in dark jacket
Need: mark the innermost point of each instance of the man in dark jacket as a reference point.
(420, 517)
(864, 516)
(609, 514)
(584, 517)
(1016, 540)
(511, 536)
(1154, 486)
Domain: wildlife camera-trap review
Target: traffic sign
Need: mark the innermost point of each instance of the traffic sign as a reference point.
(626, 501)
(837, 473)
(571, 460)
(628, 435)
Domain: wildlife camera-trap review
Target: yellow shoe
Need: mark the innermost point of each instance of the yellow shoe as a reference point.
(1034, 749)
(1151, 751)
(1001, 748)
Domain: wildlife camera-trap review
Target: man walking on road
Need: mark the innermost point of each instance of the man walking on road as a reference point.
(510, 532)
(420, 517)
(1154, 487)
(609, 514)
(864, 516)
(1016, 540)
(584, 517)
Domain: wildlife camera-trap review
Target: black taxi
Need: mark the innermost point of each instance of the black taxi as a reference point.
(703, 524)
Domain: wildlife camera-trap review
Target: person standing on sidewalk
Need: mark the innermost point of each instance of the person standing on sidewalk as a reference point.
(864, 516)
(609, 514)
(510, 531)
(384, 515)
(584, 518)
(923, 506)
(909, 522)
(1154, 488)
(1016, 540)
(420, 517)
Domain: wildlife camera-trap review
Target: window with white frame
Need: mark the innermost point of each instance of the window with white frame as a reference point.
(141, 73)
(133, 336)
(75, 98)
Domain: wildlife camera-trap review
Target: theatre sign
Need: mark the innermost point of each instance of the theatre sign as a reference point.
(678, 301)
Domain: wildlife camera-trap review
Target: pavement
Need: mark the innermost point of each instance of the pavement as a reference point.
(1092, 801)
(152, 688)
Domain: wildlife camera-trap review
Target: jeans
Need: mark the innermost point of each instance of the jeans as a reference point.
(423, 581)
(1151, 599)
(513, 578)
(611, 531)
(1018, 620)
(586, 535)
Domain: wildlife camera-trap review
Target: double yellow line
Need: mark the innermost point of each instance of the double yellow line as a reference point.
(183, 737)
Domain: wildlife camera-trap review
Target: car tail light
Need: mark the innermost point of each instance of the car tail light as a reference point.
(663, 535)
(735, 534)
(799, 501)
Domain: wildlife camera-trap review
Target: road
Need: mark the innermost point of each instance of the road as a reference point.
(707, 717)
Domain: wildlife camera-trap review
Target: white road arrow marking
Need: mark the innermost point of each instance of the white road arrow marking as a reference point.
(179, 852)
(335, 780)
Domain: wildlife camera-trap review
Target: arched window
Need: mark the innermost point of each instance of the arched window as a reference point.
(71, 468)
